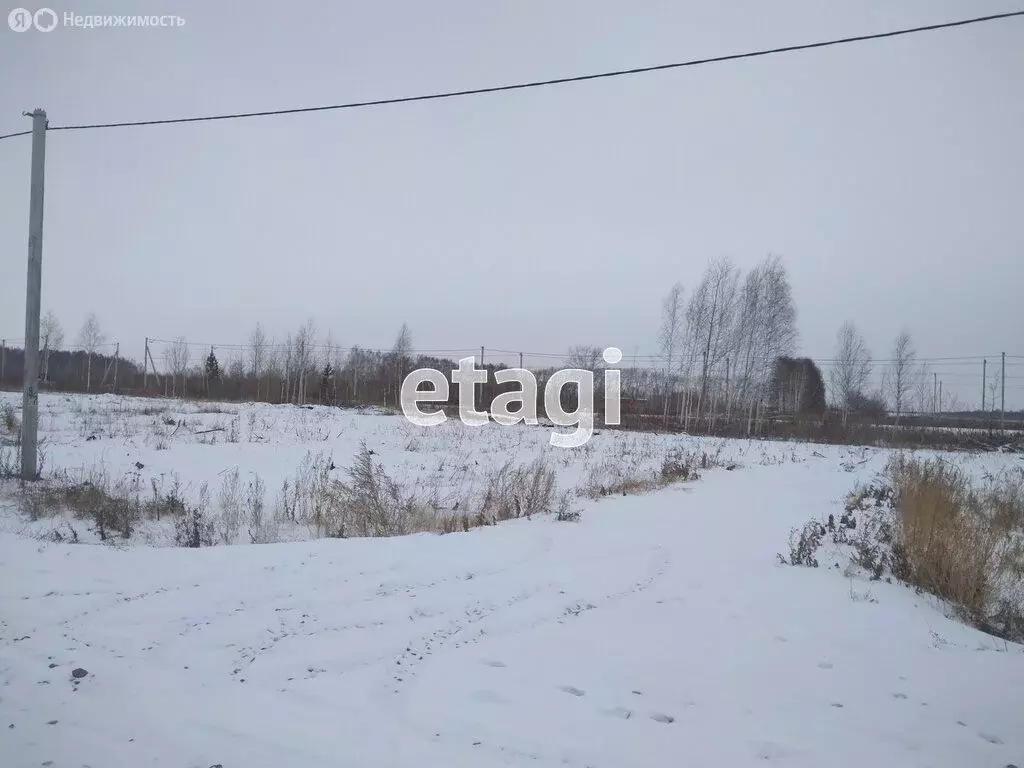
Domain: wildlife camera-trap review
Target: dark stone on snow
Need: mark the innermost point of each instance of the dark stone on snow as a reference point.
(78, 673)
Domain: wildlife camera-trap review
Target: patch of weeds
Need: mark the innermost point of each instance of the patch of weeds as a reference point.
(804, 544)
(194, 528)
(9, 421)
(566, 512)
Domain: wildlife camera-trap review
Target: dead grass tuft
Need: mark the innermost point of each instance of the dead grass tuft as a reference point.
(518, 491)
(9, 420)
(955, 540)
(630, 474)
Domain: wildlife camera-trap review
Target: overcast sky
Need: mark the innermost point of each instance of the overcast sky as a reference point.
(889, 175)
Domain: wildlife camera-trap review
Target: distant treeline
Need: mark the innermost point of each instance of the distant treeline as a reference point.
(790, 404)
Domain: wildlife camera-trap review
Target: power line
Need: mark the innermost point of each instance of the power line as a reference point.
(544, 83)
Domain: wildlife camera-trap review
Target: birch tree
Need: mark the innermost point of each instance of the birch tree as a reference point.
(899, 375)
(178, 356)
(303, 358)
(257, 355)
(52, 336)
(401, 351)
(851, 367)
(90, 338)
(710, 315)
(670, 336)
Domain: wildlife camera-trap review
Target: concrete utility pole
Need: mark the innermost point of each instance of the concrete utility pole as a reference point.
(984, 369)
(1002, 398)
(33, 300)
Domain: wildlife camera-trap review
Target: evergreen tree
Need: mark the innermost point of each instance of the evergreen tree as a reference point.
(212, 367)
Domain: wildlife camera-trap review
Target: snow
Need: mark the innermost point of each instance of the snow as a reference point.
(658, 630)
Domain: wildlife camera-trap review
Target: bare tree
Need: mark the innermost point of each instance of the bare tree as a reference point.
(851, 368)
(585, 357)
(303, 359)
(993, 392)
(52, 336)
(403, 342)
(401, 351)
(779, 335)
(177, 360)
(709, 316)
(776, 336)
(90, 338)
(257, 355)
(670, 337)
(899, 375)
(924, 392)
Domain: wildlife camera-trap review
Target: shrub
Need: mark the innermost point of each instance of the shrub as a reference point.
(566, 513)
(194, 528)
(804, 543)
(262, 527)
(229, 503)
(311, 498)
(171, 502)
(677, 466)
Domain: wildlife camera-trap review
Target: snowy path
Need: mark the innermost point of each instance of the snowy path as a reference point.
(658, 631)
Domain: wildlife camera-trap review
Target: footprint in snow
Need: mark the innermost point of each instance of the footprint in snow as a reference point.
(662, 718)
(489, 697)
(824, 665)
(620, 712)
(571, 690)
(494, 663)
(990, 738)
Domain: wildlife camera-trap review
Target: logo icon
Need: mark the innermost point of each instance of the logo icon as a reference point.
(45, 20)
(22, 20)
(19, 20)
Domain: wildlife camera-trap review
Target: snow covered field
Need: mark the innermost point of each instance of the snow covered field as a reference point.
(659, 630)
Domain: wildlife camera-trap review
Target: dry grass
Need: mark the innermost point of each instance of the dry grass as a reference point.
(627, 474)
(518, 491)
(956, 540)
(113, 506)
(9, 422)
